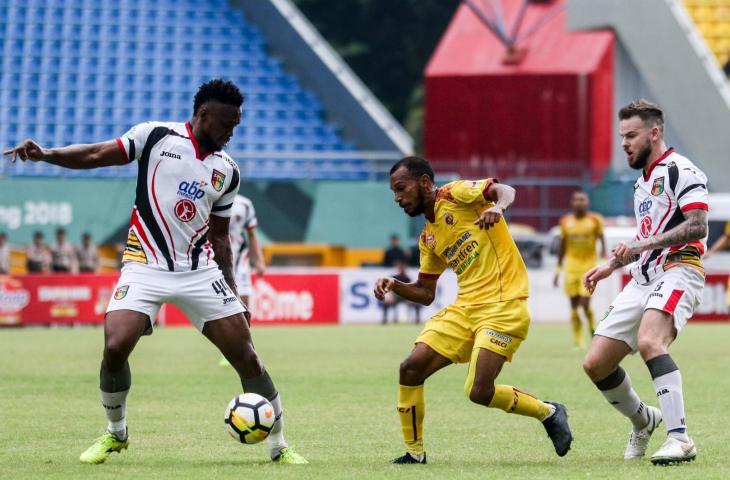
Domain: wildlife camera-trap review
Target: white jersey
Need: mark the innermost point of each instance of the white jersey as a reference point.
(177, 191)
(674, 185)
(243, 220)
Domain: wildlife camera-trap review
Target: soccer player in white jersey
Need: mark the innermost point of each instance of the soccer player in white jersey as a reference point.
(178, 250)
(670, 202)
(246, 250)
(246, 246)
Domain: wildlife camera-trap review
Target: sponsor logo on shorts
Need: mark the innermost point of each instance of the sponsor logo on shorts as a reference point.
(661, 392)
(185, 210)
(112, 407)
(121, 292)
(228, 300)
(499, 336)
(499, 343)
(191, 190)
(655, 294)
(608, 312)
(217, 179)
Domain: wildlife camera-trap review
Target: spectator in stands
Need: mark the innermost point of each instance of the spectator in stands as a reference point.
(87, 255)
(38, 258)
(392, 300)
(4, 254)
(63, 254)
(395, 253)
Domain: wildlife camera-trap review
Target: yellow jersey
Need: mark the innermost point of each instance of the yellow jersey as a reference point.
(580, 236)
(488, 266)
(727, 229)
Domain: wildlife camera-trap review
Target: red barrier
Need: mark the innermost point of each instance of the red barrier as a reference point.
(55, 299)
(713, 307)
(285, 299)
(279, 298)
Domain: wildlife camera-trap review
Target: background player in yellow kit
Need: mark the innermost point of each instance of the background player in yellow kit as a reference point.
(579, 232)
(464, 231)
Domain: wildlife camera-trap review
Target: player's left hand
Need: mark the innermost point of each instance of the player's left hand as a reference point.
(625, 252)
(28, 150)
(383, 286)
(489, 217)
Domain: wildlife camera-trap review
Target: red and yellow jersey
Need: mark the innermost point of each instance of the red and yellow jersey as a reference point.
(488, 266)
(580, 236)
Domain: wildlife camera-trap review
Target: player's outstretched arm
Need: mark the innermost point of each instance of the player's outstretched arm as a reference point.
(421, 291)
(80, 156)
(598, 273)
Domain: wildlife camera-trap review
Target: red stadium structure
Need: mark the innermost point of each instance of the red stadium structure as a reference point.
(536, 113)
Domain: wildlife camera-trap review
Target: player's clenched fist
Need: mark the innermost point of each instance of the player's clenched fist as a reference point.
(383, 286)
(595, 275)
(489, 217)
(28, 150)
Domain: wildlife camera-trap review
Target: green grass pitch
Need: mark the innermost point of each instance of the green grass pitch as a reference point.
(339, 389)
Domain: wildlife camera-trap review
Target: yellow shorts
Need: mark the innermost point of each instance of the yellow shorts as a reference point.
(574, 285)
(457, 329)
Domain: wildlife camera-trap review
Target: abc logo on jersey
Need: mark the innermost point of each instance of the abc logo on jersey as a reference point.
(191, 190)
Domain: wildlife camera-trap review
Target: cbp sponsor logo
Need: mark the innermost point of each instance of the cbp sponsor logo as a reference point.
(191, 190)
(645, 207)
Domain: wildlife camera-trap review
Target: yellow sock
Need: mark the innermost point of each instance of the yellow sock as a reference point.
(411, 410)
(591, 322)
(512, 400)
(575, 323)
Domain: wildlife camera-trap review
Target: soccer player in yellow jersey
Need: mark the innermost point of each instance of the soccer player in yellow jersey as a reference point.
(720, 244)
(465, 231)
(579, 232)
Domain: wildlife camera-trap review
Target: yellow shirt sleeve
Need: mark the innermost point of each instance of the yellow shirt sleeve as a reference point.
(470, 191)
(431, 264)
(727, 229)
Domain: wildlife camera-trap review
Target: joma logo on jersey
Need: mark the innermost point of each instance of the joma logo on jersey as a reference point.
(645, 206)
(171, 155)
(191, 190)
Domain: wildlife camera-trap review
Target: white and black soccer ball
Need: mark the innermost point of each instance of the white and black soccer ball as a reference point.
(249, 418)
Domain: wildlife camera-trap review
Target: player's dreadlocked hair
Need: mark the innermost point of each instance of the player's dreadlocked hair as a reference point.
(416, 166)
(648, 112)
(219, 90)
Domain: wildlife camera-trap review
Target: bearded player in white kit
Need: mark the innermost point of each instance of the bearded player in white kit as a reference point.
(178, 250)
(670, 202)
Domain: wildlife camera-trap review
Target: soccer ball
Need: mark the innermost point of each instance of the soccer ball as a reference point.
(249, 418)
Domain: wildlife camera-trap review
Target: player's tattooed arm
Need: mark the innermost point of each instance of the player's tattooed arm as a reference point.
(221, 244)
(694, 227)
(80, 156)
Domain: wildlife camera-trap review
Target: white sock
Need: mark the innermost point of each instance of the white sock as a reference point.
(276, 437)
(625, 399)
(115, 407)
(669, 392)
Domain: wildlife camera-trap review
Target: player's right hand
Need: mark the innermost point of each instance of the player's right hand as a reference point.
(595, 275)
(28, 150)
(383, 286)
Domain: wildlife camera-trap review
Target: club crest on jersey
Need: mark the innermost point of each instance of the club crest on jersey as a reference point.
(185, 210)
(449, 219)
(217, 179)
(121, 292)
(658, 187)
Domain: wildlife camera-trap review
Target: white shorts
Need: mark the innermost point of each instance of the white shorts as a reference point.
(243, 282)
(678, 291)
(202, 295)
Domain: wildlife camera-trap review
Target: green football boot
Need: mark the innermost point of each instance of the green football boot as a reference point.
(102, 447)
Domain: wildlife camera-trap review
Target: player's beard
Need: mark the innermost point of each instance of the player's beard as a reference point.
(642, 156)
(418, 209)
